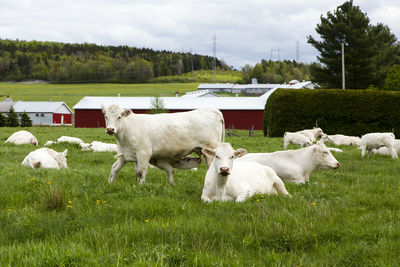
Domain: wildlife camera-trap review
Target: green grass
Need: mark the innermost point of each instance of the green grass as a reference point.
(73, 93)
(203, 76)
(344, 217)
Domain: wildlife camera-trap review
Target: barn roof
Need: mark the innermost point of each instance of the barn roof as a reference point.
(41, 107)
(5, 106)
(175, 103)
(200, 93)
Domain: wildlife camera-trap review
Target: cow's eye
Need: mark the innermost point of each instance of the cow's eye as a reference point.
(232, 157)
(326, 153)
(216, 157)
(119, 117)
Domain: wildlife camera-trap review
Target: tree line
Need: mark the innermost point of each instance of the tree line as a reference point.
(65, 63)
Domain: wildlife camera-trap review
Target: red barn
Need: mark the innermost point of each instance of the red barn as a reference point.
(239, 112)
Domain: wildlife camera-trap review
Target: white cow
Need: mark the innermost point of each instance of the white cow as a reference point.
(229, 178)
(69, 139)
(377, 140)
(164, 140)
(312, 134)
(49, 143)
(296, 139)
(46, 158)
(385, 151)
(297, 165)
(340, 139)
(97, 146)
(22, 137)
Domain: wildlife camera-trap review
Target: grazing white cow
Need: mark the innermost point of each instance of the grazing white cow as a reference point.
(312, 134)
(296, 139)
(297, 165)
(164, 140)
(49, 143)
(377, 140)
(22, 137)
(97, 146)
(229, 178)
(46, 158)
(340, 139)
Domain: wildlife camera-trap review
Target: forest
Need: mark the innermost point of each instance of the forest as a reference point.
(90, 63)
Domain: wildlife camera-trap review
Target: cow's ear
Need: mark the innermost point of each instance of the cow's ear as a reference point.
(208, 152)
(240, 152)
(65, 152)
(103, 108)
(126, 112)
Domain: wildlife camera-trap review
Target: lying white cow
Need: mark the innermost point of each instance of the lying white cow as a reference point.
(22, 137)
(340, 139)
(69, 139)
(297, 165)
(46, 158)
(377, 140)
(97, 146)
(385, 151)
(296, 139)
(230, 179)
(164, 140)
(312, 134)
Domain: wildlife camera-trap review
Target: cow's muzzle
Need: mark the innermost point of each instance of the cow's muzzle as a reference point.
(224, 171)
(110, 131)
(336, 166)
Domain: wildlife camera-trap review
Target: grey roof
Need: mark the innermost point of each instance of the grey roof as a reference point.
(5, 106)
(38, 106)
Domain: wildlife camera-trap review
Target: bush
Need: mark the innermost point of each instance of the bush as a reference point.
(350, 112)
(392, 81)
(3, 120)
(12, 119)
(25, 120)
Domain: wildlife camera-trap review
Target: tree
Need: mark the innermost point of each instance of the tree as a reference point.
(392, 81)
(25, 120)
(157, 106)
(3, 120)
(350, 26)
(12, 119)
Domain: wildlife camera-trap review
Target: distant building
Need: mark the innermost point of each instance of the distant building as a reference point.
(45, 113)
(200, 93)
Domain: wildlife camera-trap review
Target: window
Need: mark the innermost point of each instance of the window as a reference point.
(37, 115)
(42, 115)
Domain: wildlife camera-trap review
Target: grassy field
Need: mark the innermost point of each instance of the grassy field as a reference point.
(73, 217)
(204, 76)
(73, 93)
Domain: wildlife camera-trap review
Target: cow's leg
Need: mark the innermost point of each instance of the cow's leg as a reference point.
(141, 167)
(115, 169)
(362, 151)
(169, 170)
(280, 187)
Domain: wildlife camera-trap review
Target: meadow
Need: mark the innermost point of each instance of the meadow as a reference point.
(73, 217)
(73, 93)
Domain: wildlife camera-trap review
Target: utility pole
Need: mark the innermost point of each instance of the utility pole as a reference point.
(343, 78)
(214, 59)
(191, 62)
(297, 52)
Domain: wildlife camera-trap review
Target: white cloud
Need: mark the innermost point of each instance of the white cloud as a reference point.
(246, 30)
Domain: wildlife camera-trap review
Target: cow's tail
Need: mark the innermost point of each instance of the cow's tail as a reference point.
(223, 129)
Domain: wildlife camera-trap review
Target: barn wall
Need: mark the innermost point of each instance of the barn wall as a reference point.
(239, 119)
(57, 118)
(39, 118)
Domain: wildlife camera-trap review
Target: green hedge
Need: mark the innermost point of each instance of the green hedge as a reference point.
(350, 112)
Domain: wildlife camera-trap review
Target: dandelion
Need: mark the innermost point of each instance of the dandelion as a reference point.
(69, 206)
(69, 201)
(258, 200)
(314, 204)
(147, 220)
(262, 196)
(48, 183)
(9, 210)
(104, 202)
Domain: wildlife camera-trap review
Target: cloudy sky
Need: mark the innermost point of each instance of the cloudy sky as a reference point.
(246, 31)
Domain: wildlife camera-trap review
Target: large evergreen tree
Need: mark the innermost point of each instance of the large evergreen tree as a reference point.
(12, 118)
(3, 120)
(392, 81)
(25, 120)
(362, 42)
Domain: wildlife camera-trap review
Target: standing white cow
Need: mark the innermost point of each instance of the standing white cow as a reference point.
(297, 165)
(296, 139)
(164, 140)
(340, 139)
(377, 140)
(385, 151)
(46, 158)
(22, 137)
(312, 134)
(97, 146)
(229, 178)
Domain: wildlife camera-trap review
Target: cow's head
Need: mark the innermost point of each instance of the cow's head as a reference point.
(223, 157)
(113, 115)
(86, 146)
(61, 159)
(323, 157)
(318, 132)
(325, 138)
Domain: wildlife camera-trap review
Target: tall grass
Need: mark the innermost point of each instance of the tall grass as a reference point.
(344, 217)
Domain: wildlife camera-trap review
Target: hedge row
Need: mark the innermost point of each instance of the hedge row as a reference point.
(349, 112)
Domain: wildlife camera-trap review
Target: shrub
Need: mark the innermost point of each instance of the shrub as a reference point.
(392, 81)
(3, 120)
(12, 119)
(350, 112)
(25, 120)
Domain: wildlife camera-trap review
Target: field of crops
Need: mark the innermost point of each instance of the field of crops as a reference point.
(73, 217)
(73, 93)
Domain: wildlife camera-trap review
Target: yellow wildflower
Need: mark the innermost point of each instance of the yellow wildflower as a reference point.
(69, 201)
(48, 183)
(147, 220)
(69, 206)
(314, 204)
(257, 200)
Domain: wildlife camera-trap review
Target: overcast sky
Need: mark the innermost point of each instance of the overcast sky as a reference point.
(246, 31)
